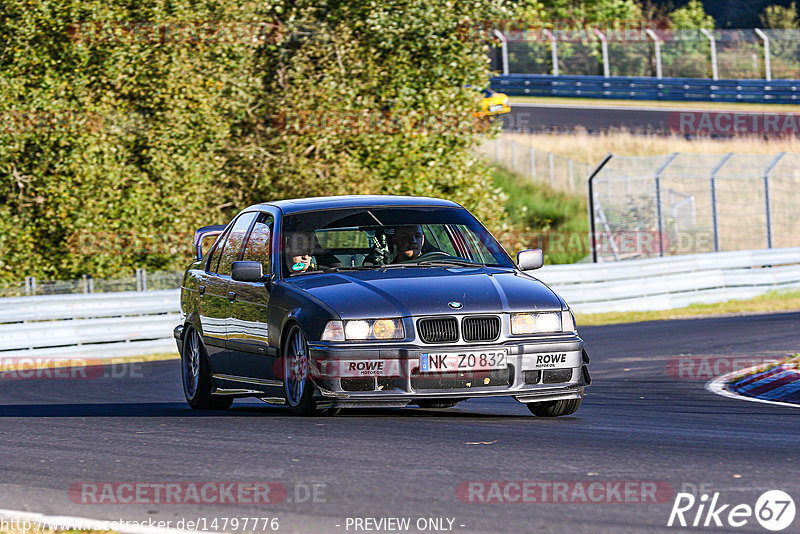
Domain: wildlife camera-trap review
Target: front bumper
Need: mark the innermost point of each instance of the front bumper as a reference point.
(398, 381)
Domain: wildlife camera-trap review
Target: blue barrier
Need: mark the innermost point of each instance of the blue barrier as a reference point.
(642, 88)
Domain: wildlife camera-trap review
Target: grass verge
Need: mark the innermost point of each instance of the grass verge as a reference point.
(536, 209)
(772, 301)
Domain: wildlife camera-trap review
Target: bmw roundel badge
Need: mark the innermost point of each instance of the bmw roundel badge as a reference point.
(455, 305)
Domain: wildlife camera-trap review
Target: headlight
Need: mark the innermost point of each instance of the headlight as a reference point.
(379, 329)
(535, 323)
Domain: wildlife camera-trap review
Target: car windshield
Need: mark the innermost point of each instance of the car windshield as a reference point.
(386, 237)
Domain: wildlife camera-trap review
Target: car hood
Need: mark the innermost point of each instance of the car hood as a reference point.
(427, 291)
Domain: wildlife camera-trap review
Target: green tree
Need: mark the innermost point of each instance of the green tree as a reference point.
(119, 138)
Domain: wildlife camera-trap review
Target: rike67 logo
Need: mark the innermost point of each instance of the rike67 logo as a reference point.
(774, 510)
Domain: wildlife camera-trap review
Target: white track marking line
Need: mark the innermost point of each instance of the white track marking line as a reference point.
(717, 386)
(83, 523)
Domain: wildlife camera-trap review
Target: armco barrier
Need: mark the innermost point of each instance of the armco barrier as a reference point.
(645, 88)
(673, 282)
(117, 324)
(98, 325)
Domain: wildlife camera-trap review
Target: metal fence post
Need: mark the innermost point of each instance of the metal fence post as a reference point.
(767, 210)
(590, 192)
(553, 50)
(659, 216)
(714, 220)
(713, 43)
(571, 174)
(767, 65)
(533, 164)
(514, 155)
(657, 43)
(604, 51)
(503, 49)
(30, 285)
(551, 162)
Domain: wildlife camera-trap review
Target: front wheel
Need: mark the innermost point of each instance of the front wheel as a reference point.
(554, 408)
(197, 376)
(297, 385)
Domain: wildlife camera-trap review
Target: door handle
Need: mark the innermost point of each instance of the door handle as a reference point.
(231, 295)
(201, 290)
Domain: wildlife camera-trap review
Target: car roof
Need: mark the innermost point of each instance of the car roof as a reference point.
(355, 201)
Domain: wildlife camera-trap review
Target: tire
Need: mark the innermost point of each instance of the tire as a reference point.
(297, 385)
(554, 408)
(436, 404)
(196, 375)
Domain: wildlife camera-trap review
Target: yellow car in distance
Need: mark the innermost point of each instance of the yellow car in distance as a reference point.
(493, 103)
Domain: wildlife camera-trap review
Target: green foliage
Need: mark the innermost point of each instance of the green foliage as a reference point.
(780, 18)
(692, 16)
(124, 138)
(548, 219)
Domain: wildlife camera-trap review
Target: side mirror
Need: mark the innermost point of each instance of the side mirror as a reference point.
(530, 259)
(247, 271)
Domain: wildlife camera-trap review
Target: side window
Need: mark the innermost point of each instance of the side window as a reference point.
(213, 253)
(233, 244)
(258, 247)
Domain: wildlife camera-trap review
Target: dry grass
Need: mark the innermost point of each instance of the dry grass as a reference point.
(592, 148)
(773, 301)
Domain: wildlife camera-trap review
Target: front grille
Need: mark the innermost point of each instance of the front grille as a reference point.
(557, 376)
(438, 330)
(480, 328)
(500, 377)
(532, 377)
(358, 384)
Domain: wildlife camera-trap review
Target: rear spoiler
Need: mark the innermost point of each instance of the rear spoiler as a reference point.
(202, 233)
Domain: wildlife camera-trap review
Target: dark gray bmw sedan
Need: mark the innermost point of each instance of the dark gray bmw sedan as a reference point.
(372, 301)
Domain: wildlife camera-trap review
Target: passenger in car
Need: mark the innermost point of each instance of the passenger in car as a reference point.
(304, 253)
(300, 252)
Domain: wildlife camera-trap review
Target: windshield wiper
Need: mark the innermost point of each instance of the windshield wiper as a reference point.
(445, 263)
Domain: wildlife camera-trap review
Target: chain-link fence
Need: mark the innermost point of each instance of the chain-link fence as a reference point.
(142, 281)
(559, 172)
(691, 203)
(732, 54)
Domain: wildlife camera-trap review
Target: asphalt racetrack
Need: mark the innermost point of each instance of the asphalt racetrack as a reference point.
(638, 424)
(547, 117)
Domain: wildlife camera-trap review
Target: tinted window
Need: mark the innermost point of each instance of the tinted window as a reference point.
(230, 252)
(258, 247)
(373, 237)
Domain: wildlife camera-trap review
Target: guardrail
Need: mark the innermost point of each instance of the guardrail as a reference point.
(101, 325)
(119, 324)
(673, 282)
(646, 88)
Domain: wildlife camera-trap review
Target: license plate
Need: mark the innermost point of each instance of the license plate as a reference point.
(496, 107)
(443, 362)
